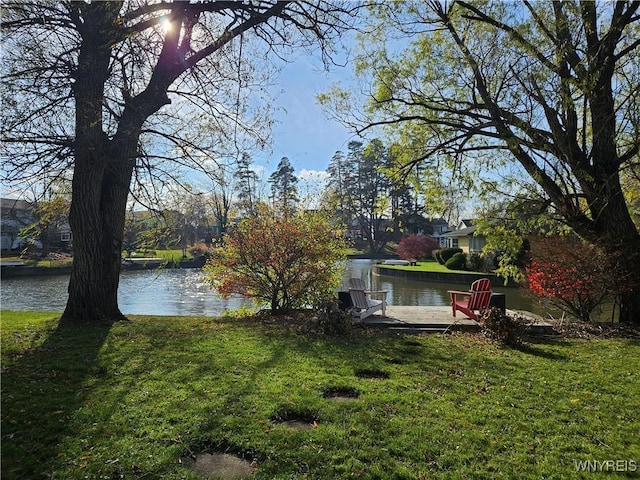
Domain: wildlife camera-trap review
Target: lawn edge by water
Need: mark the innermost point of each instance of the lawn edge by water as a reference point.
(131, 400)
(434, 272)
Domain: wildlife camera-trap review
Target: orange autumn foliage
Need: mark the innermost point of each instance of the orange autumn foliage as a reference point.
(289, 262)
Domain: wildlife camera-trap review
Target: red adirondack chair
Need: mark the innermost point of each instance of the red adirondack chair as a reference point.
(475, 300)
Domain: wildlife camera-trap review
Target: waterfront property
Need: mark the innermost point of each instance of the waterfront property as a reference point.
(184, 292)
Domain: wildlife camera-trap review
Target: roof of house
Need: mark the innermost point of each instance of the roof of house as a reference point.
(11, 204)
(465, 232)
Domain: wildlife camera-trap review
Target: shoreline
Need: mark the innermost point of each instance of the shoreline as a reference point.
(13, 271)
(443, 277)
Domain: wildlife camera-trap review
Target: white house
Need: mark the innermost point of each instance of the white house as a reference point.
(465, 238)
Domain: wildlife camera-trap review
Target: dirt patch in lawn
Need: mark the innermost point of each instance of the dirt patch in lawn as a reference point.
(219, 465)
(299, 419)
(341, 394)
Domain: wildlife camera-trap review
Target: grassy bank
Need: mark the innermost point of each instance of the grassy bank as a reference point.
(128, 402)
(428, 266)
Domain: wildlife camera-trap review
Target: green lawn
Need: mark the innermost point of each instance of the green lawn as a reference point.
(171, 255)
(46, 263)
(428, 266)
(129, 401)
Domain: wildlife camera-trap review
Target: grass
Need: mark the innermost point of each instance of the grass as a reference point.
(44, 263)
(174, 255)
(171, 256)
(129, 401)
(428, 266)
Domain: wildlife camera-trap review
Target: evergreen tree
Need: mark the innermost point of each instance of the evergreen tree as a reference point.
(404, 202)
(336, 190)
(247, 179)
(284, 187)
(366, 188)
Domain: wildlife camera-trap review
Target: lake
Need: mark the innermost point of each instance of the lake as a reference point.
(184, 292)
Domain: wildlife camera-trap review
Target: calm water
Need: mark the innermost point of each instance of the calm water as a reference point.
(184, 292)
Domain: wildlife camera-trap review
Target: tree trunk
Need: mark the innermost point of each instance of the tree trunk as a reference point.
(619, 238)
(96, 216)
(613, 223)
(615, 233)
(103, 168)
(629, 258)
(97, 221)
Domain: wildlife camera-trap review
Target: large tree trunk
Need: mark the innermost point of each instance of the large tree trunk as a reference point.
(629, 259)
(618, 236)
(613, 230)
(97, 222)
(101, 178)
(614, 227)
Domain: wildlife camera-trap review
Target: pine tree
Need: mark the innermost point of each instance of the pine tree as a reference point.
(247, 179)
(284, 187)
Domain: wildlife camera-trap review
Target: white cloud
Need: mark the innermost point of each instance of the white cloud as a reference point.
(313, 175)
(259, 170)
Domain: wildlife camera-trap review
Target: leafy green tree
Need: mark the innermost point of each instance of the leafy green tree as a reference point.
(546, 89)
(630, 179)
(506, 221)
(284, 187)
(89, 86)
(287, 261)
(51, 215)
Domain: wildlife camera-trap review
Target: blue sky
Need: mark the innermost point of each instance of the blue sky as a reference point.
(302, 131)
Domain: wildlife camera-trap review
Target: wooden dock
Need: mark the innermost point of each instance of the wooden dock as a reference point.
(440, 319)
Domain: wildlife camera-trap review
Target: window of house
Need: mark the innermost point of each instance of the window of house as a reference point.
(65, 237)
(454, 243)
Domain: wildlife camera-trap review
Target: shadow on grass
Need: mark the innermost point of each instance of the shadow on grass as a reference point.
(41, 389)
(534, 350)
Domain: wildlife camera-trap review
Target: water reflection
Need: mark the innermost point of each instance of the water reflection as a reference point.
(141, 292)
(184, 292)
(171, 292)
(415, 292)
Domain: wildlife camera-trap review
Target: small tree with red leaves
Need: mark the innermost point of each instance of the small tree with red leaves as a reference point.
(289, 261)
(573, 275)
(416, 246)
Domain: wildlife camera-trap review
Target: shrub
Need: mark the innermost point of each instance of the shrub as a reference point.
(447, 253)
(200, 249)
(573, 275)
(476, 263)
(416, 246)
(512, 263)
(288, 261)
(437, 255)
(457, 262)
(502, 328)
(330, 320)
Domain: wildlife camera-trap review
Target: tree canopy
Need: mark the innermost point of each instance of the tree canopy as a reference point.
(547, 90)
(114, 91)
(286, 261)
